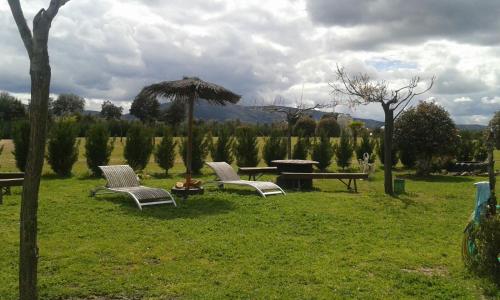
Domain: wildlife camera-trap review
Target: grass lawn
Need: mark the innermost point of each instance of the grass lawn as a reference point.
(324, 244)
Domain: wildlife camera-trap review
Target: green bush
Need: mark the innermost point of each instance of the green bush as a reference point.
(366, 146)
(21, 140)
(305, 126)
(165, 151)
(344, 150)
(487, 240)
(381, 152)
(329, 125)
(480, 150)
(199, 152)
(322, 152)
(274, 148)
(98, 147)
(222, 150)
(139, 146)
(301, 148)
(408, 156)
(465, 149)
(246, 147)
(62, 149)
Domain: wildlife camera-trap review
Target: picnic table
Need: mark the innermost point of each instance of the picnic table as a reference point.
(294, 166)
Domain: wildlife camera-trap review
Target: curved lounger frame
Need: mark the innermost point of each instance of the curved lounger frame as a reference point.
(226, 175)
(122, 179)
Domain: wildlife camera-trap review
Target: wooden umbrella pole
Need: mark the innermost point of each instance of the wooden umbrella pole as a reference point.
(189, 153)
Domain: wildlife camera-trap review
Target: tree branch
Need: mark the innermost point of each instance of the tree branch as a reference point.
(22, 26)
(54, 6)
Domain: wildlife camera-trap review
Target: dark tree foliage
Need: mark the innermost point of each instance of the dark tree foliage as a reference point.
(201, 147)
(68, 104)
(466, 147)
(165, 151)
(487, 240)
(381, 152)
(11, 108)
(139, 146)
(305, 126)
(495, 123)
(174, 114)
(301, 148)
(344, 150)
(274, 148)
(407, 156)
(146, 109)
(356, 128)
(109, 111)
(21, 139)
(322, 152)
(366, 146)
(429, 130)
(329, 126)
(62, 147)
(222, 150)
(98, 147)
(246, 147)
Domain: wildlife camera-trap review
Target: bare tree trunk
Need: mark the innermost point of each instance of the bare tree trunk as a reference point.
(388, 134)
(36, 46)
(289, 142)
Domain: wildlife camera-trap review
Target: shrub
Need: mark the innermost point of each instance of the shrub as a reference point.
(246, 147)
(328, 125)
(430, 131)
(199, 152)
(62, 149)
(165, 151)
(408, 156)
(381, 152)
(21, 140)
(366, 146)
(98, 147)
(305, 126)
(301, 148)
(480, 150)
(344, 150)
(222, 150)
(274, 148)
(465, 149)
(322, 152)
(139, 146)
(495, 122)
(487, 240)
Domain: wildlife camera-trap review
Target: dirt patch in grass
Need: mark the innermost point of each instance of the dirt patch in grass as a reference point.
(436, 271)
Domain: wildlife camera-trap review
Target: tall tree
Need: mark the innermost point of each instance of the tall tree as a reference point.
(109, 111)
(35, 43)
(361, 89)
(145, 108)
(174, 115)
(11, 108)
(356, 128)
(68, 104)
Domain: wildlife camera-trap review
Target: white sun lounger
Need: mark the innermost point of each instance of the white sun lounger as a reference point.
(226, 175)
(122, 179)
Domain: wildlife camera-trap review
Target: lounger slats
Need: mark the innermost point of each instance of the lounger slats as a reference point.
(122, 179)
(226, 175)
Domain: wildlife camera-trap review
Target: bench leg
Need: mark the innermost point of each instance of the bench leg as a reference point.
(355, 186)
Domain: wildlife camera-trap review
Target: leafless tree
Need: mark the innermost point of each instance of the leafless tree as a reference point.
(292, 115)
(35, 42)
(362, 90)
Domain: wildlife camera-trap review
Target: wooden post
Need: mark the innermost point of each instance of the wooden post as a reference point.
(189, 153)
(491, 170)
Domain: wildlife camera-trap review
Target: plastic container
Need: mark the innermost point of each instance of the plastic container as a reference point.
(399, 186)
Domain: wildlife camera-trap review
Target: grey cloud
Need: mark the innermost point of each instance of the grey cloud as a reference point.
(399, 21)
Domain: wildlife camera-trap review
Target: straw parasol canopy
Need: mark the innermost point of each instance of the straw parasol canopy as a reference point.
(189, 90)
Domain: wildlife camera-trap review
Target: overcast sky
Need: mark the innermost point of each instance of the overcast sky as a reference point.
(110, 49)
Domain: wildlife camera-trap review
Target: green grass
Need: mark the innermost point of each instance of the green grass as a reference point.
(324, 244)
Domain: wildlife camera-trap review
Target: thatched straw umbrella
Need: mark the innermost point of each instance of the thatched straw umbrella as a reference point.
(189, 89)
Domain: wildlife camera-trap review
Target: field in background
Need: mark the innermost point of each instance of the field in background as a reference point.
(327, 243)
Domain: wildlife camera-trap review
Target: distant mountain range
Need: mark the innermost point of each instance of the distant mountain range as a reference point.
(255, 114)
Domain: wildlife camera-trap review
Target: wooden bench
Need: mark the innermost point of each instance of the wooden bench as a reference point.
(255, 172)
(7, 180)
(352, 177)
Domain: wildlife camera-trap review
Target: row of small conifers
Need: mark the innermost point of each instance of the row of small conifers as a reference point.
(243, 148)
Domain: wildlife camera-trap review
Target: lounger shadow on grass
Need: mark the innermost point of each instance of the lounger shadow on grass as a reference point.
(194, 207)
